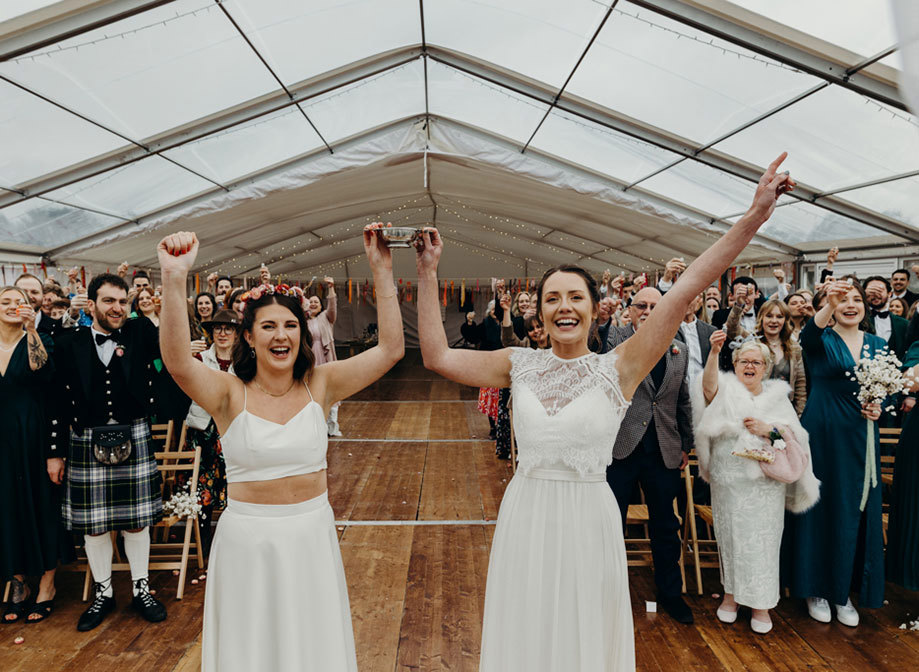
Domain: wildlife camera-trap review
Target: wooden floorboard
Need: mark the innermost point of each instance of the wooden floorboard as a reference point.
(416, 450)
(376, 563)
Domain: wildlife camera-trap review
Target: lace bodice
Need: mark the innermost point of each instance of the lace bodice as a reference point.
(566, 411)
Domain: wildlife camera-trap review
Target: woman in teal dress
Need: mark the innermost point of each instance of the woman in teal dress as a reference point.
(837, 546)
(903, 531)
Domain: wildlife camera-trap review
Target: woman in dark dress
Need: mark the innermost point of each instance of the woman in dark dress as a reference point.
(903, 531)
(32, 539)
(837, 546)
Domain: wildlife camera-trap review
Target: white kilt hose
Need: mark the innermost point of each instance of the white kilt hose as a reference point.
(100, 497)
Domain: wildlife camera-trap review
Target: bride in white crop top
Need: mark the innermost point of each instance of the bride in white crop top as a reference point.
(557, 596)
(276, 596)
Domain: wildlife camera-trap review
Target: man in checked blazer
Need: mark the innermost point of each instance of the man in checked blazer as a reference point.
(652, 447)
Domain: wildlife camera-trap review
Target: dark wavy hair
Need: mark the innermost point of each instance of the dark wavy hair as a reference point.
(593, 290)
(92, 292)
(245, 363)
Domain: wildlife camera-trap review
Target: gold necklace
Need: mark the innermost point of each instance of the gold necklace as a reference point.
(272, 394)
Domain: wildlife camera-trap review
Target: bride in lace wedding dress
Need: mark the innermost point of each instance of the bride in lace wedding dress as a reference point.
(557, 597)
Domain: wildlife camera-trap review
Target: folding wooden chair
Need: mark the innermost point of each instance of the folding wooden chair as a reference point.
(890, 436)
(167, 555)
(700, 550)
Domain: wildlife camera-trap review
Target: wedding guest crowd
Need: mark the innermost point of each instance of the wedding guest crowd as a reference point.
(81, 379)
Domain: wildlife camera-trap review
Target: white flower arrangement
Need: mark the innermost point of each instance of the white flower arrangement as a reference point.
(182, 505)
(878, 378)
(779, 444)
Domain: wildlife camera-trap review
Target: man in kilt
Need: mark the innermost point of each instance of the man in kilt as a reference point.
(104, 389)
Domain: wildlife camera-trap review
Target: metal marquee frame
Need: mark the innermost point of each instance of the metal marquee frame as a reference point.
(717, 18)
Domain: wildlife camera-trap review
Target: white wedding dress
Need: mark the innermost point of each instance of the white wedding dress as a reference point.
(557, 597)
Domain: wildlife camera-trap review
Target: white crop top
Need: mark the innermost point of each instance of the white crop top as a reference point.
(256, 449)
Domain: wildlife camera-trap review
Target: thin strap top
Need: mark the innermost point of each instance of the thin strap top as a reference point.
(256, 449)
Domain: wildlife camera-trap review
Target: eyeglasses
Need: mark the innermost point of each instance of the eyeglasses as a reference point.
(641, 306)
(224, 329)
(750, 362)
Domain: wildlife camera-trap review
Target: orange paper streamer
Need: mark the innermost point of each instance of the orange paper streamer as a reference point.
(349, 290)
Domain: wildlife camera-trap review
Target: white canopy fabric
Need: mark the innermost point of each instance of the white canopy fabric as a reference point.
(531, 132)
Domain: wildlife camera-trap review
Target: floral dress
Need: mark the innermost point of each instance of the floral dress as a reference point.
(212, 473)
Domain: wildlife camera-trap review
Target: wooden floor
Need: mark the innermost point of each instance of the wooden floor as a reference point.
(415, 487)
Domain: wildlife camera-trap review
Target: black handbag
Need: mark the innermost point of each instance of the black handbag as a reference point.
(111, 443)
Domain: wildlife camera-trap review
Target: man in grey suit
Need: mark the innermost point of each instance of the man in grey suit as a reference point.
(652, 447)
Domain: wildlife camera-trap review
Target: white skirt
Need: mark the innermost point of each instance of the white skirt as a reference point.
(557, 597)
(276, 595)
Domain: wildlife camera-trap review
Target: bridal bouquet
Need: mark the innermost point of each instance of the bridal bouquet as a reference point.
(879, 378)
(182, 505)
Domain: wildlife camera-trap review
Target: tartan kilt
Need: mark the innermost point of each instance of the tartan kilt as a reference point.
(102, 498)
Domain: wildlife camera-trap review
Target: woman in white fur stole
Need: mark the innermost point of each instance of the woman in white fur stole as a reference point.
(735, 416)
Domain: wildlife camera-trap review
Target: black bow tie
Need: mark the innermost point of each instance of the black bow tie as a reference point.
(883, 314)
(102, 338)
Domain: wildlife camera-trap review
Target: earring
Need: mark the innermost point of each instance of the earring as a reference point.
(252, 352)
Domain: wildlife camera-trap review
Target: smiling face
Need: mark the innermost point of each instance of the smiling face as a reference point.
(145, 301)
(10, 301)
(537, 334)
(750, 365)
(851, 310)
(773, 321)
(567, 308)
(275, 336)
(205, 307)
(898, 307)
(523, 302)
(900, 281)
(224, 286)
(110, 309)
(315, 306)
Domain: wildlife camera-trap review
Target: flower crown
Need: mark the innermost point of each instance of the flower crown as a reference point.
(740, 341)
(256, 293)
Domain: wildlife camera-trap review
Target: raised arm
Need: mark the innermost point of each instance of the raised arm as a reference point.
(38, 355)
(638, 355)
(469, 367)
(208, 388)
(331, 301)
(710, 372)
(345, 377)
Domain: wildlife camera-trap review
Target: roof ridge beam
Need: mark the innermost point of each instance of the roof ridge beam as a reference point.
(91, 240)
